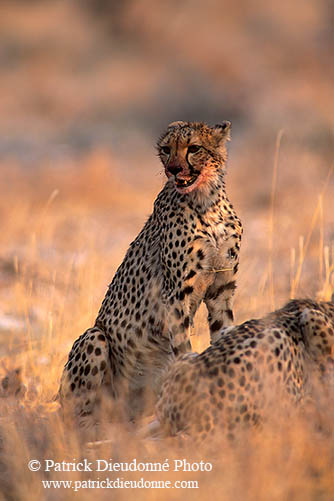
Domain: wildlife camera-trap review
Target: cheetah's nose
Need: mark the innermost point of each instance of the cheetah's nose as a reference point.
(174, 169)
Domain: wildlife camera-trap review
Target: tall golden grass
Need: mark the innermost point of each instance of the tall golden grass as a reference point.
(64, 232)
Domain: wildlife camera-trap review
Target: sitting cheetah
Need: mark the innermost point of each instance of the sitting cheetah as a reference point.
(246, 370)
(187, 252)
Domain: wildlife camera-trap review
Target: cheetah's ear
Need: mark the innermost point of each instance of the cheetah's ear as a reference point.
(222, 131)
(179, 123)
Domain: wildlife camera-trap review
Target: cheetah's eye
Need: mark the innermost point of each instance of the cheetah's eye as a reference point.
(194, 148)
(165, 149)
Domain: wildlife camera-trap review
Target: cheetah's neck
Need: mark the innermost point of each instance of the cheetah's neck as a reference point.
(211, 195)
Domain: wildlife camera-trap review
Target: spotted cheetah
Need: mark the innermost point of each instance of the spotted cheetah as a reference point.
(248, 369)
(187, 252)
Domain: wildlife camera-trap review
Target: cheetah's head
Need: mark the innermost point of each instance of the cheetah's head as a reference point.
(194, 154)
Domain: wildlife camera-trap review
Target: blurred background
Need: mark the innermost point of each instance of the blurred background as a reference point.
(87, 86)
(84, 74)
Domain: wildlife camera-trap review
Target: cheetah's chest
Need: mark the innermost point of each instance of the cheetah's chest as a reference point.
(214, 240)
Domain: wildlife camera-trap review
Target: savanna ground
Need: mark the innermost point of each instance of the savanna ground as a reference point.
(86, 89)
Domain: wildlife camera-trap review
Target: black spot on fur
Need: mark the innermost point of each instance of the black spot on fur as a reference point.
(200, 254)
(216, 326)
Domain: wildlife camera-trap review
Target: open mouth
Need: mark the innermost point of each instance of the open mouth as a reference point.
(185, 183)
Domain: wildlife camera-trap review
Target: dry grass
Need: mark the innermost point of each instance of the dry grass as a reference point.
(80, 110)
(64, 233)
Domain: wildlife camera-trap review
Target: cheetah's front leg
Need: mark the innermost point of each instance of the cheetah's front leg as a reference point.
(219, 302)
(179, 326)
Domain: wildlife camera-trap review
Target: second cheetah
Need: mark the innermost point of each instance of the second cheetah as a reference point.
(248, 370)
(187, 252)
